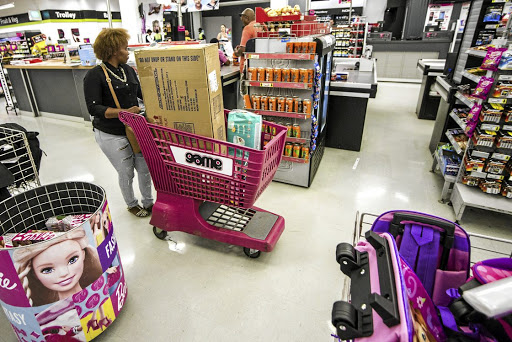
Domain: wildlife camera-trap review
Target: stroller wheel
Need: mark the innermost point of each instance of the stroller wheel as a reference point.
(344, 316)
(159, 233)
(345, 250)
(252, 253)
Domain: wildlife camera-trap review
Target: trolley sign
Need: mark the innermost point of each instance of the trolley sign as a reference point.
(203, 161)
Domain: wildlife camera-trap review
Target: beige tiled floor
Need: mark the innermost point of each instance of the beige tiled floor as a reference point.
(205, 290)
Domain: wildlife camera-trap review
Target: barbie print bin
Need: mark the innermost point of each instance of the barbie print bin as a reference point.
(70, 286)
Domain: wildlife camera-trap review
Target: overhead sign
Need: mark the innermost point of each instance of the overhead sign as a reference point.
(14, 19)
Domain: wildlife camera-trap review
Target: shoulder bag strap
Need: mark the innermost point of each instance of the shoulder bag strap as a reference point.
(109, 82)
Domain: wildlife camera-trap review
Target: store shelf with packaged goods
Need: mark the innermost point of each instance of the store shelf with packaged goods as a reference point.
(262, 17)
(289, 115)
(295, 140)
(292, 140)
(458, 120)
(472, 77)
(287, 85)
(454, 143)
(440, 162)
(289, 56)
(476, 53)
(466, 100)
(295, 160)
(499, 100)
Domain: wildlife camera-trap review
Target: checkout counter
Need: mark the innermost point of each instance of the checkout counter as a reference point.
(230, 78)
(348, 101)
(428, 100)
(397, 59)
(54, 89)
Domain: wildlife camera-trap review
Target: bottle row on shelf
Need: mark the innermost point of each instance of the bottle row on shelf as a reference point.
(278, 104)
(270, 74)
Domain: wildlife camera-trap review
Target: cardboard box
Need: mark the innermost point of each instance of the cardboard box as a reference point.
(182, 88)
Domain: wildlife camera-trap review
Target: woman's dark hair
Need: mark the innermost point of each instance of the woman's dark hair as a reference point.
(214, 40)
(149, 31)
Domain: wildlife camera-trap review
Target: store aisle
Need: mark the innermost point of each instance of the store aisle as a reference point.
(197, 289)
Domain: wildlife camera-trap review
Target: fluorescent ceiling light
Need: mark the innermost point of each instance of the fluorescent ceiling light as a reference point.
(6, 6)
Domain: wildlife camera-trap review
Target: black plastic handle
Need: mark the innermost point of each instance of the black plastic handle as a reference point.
(447, 239)
(385, 303)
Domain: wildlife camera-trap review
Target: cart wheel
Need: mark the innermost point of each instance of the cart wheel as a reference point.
(159, 233)
(345, 250)
(344, 315)
(252, 253)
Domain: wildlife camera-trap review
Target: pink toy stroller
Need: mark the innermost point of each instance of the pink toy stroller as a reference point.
(402, 280)
(208, 187)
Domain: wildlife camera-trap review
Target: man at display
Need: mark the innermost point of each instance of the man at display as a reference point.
(248, 19)
(104, 104)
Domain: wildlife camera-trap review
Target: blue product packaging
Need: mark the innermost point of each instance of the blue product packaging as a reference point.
(244, 128)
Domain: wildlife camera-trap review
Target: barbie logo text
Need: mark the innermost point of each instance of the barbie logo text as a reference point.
(5, 283)
(121, 295)
(111, 246)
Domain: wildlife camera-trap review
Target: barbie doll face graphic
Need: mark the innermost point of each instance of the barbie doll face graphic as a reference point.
(60, 267)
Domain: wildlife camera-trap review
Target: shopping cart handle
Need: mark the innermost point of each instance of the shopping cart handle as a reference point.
(385, 303)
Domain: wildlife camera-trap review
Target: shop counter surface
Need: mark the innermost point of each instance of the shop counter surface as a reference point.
(51, 64)
(348, 101)
(431, 67)
(230, 78)
(229, 71)
(50, 88)
(428, 99)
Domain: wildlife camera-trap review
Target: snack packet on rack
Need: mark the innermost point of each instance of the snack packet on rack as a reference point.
(483, 87)
(506, 61)
(492, 59)
(474, 113)
(64, 223)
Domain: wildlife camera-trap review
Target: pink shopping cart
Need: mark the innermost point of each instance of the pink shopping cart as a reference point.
(208, 187)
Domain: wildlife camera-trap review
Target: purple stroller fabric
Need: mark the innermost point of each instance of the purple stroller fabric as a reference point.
(420, 248)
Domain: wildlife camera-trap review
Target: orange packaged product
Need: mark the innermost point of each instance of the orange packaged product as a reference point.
(297, 105)
(270, 74)
(312, 47)
(261, 74)
(297, 47)
(256, 102)
(252, 74)
(281, 104)
(304, 47)
(289, 104)
(289, 47)
(306, 106)
(294, 75)
(247, 102)
(272, 104)
(303, 75)
(264, 103)
(296, 151)
(285, 75)
(277, 74)
(311, 76)
(304, 153)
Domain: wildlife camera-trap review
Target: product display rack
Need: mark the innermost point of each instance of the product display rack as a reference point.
(10, 99)
(271, 53)
(350, 39)
(468, 195)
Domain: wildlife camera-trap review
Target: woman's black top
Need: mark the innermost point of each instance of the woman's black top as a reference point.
(98, 97)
